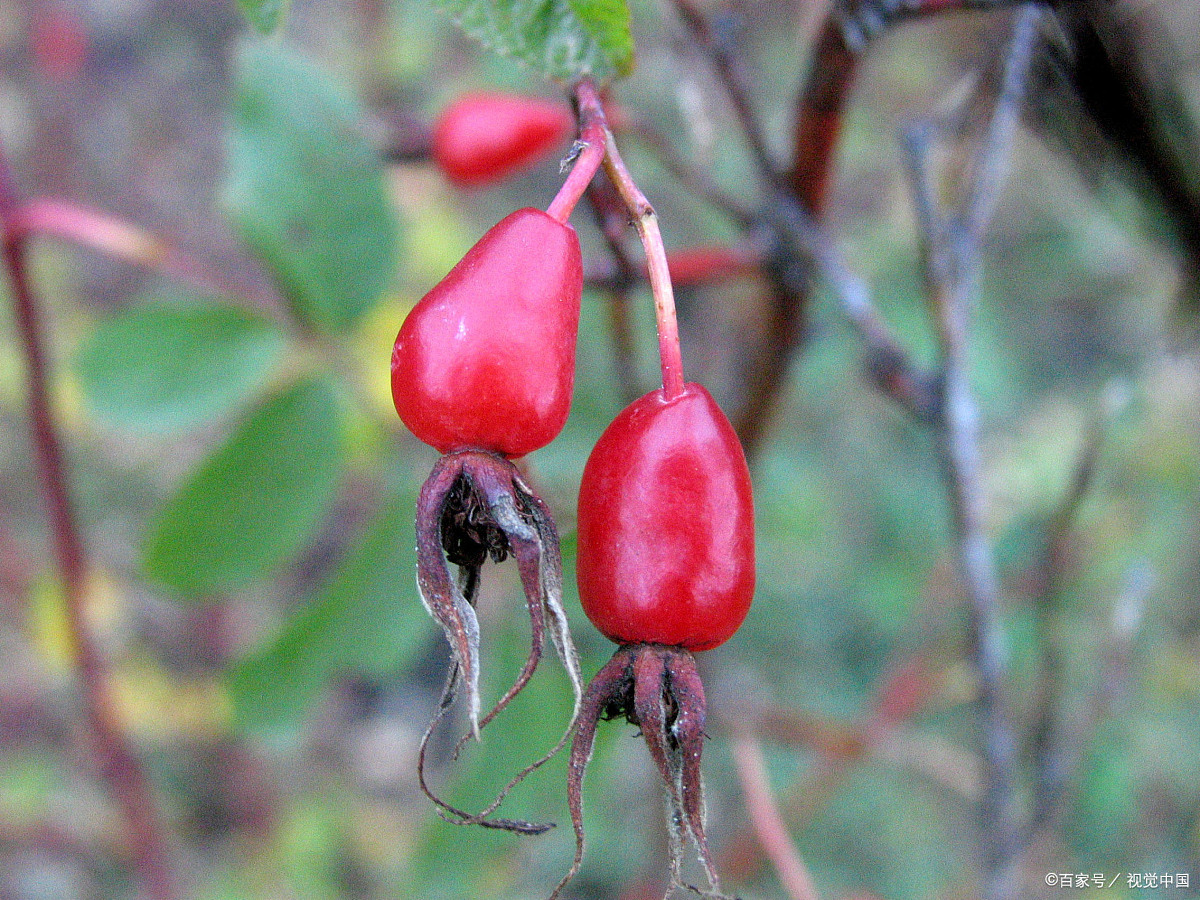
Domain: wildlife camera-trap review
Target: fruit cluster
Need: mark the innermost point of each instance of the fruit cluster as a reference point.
(482, 370)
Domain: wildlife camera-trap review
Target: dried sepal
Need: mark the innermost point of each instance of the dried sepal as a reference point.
(440, 590)
(658, 689)
(550, 578)
(609, 684)
(473, 507)
(687, 738)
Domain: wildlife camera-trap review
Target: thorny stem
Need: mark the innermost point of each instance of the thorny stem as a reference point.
(118, 764)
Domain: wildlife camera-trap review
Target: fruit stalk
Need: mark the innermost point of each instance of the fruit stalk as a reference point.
(593, 131)
(658, 272)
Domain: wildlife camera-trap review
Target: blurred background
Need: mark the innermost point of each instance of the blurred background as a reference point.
(275, 679)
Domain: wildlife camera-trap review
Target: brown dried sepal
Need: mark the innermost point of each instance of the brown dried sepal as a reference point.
(657, 689)
(473, 507)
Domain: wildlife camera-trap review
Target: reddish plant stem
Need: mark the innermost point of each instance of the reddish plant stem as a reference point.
(124, 241)
(118, 764)
(820, 112)
(901, 695)
(658, 271)
(670, 354)
(593, 129)
(768, 823)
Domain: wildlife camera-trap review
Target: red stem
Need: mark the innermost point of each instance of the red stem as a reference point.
(592, 130)
(125, 241)
(646, 222)
(820, 116)
(820, 113)
(767, 820)
(118, 765)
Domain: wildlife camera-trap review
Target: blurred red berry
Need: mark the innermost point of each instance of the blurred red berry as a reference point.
(485, 137)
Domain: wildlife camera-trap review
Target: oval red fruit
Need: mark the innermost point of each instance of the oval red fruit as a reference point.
(666, 525)
(487, 358)
(486, 137)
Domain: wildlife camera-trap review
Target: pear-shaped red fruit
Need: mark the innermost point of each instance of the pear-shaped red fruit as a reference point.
(486, 359)
(485, 137)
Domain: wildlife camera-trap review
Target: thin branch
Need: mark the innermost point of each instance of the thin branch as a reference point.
(1047, 731)
(888, 363)
(1111, 682)
(865, 19)
(768, 822)
(820, 110)
(952, 263)
(118, 764)
(991, 164)
(1058, 745)
(717, 42)
(128, 242)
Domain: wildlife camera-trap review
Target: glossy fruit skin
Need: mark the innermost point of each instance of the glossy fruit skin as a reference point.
(485, 137)
(486, 359)
(666, 525)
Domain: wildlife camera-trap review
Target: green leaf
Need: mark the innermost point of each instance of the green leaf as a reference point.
(264, 15)
(564, 40)
(306, 189)
(367, 619)
(162, 368)
(254, 502)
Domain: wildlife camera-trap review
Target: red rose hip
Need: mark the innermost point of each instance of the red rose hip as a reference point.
(666, 525)
(486, 359)
(487, 136)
